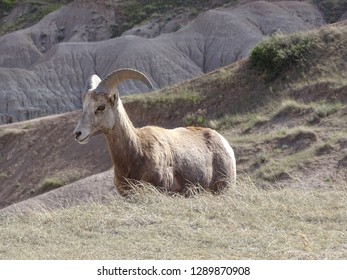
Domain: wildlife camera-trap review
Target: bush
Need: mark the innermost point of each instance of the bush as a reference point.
(196, 119)
(325, 109)
(7, 4)
(275, 53)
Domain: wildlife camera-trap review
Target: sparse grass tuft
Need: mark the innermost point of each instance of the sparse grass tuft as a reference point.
(51, 183)
(3, 176)
(10, 131)
(172, 96)
(292, 150)
(242, 121)
(295, 133)
(290, 107)
(324, 109)
(60, 179)
(324, 148)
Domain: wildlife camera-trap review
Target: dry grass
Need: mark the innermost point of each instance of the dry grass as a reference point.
(59, 179)
(10, 131)
(246, 222)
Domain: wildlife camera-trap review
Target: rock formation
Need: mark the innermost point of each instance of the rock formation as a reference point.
(43, 68)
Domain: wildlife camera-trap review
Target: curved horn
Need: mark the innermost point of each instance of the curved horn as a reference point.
(92, 82)
(115, 78)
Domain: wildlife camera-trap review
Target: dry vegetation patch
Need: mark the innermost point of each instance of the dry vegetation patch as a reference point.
(246, 222)
(290, 108)
(295, 139)
(60, 179)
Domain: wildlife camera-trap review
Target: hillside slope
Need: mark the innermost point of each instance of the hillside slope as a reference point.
(288, 131)
(44, 67)
(265, 224)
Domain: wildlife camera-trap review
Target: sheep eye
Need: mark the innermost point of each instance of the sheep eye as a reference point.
(101, 108)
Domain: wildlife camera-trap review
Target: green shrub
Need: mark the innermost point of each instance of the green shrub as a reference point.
(196, 119)
(7, 4)
(326, 109)
(278, 52)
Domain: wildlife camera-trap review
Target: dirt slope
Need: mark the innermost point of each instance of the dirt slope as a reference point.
(95, 188)
(44, 150)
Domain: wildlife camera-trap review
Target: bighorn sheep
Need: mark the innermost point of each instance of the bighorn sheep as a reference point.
(170, 159)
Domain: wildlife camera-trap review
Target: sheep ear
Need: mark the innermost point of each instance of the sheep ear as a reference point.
(92, 83)
(113, 97)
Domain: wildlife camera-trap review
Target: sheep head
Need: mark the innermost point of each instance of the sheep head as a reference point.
(100, 102)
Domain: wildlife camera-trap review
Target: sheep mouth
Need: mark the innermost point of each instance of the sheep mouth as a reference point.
(84, 140)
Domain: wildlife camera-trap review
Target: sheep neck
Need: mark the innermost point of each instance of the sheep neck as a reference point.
(123, 143)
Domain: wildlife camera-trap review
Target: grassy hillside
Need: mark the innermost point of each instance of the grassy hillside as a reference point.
(282, 110)
(289, 133)
(136, 11)
(244, 223)
(133, 12)
(32, 12)
(130, 12)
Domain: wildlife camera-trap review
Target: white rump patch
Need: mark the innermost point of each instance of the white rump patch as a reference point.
(230, 151)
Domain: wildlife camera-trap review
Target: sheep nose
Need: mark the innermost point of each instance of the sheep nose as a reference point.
(77, 134)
